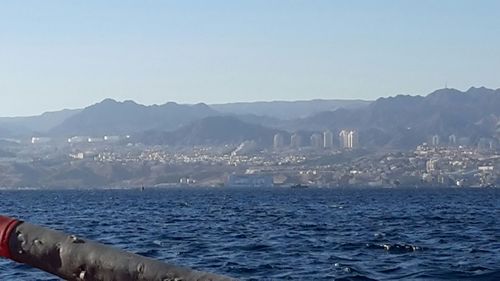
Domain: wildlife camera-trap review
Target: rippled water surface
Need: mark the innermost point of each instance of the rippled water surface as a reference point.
(282, 234)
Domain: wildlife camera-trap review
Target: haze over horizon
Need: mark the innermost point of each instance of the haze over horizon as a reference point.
(57, 54)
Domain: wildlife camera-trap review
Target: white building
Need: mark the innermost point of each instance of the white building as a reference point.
(38, 140)
(452, 139)
(95, 140)
(78, 139)
(78, 156)
(316, 141)
(343, 138)
(328, 139)
(349, 139)
(112, 138)
(352, 139)
(279, 141)
(435, 140)
(431, 165)
(295, 141)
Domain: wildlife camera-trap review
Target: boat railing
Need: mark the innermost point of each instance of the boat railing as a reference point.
(74, 258)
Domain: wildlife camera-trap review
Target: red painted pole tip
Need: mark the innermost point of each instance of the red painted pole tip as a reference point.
(7, 225)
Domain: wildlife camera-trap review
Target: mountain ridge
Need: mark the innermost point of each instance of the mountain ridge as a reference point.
(287, 110)
(113, 117)
(398, 121)
(442, 112)
(212, 130)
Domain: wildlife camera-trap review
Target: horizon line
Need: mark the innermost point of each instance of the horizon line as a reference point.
(245, 102)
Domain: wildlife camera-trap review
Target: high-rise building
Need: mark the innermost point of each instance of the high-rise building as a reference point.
(296, 140)
(435, 140)
(327, 139)
(452, 139)
(279, 141)
(352, 139)
(485, 144)
(348, 139)
(343, 138)
(316, 141)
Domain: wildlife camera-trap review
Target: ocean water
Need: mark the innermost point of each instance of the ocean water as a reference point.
(282, 234)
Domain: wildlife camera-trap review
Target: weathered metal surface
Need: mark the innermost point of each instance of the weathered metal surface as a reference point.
(7, 225)
(72, 258)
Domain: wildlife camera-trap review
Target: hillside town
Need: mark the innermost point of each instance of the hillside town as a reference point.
(449, 138)
(326, 159)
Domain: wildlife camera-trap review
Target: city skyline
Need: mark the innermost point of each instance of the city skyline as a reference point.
(58, 54)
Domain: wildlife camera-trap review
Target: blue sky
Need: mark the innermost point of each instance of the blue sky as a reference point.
(69, 54)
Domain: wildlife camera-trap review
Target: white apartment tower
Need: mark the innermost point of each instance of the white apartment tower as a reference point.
(295, 141)
(352, 139)
(435, 140)
(316, 141)
(343, 138)
(348, 139)
(452, 139)
(327, 139)
(279, 141)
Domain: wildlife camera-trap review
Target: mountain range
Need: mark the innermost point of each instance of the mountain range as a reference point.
(287, 110)
(214, 130)
(34, 124)
(110, 117)
(399, 121)
(405, 121)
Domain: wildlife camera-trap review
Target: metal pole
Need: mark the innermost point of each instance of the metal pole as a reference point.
(72, 258)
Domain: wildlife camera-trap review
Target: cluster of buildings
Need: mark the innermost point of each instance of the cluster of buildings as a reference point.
(81, 139)
(453, 140)
(347, 139)
(326, 159)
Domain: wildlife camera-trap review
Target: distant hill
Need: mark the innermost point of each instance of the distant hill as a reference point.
(215, 130)
(265, 121)
(404, 121)
(287, 109)
(35, 124)
(112, 117)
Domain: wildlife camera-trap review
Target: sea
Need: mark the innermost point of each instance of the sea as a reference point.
(281, 233)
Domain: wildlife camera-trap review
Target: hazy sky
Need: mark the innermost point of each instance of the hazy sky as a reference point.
(69, 54)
